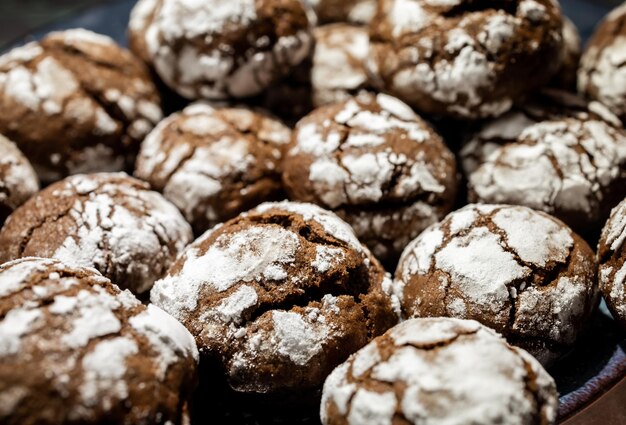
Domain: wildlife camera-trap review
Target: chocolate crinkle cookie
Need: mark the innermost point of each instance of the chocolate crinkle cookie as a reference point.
(18, 180)
(278, 297)
(217, 49)
(334, 72)
(519, 271)
(463, 58)
(355, 11)
(602, 69)
(111, 222)
(439, 371)
(569, 161)
(379, 166)
(612, 258)
(566, 77)
(75, 349)
(214, 163)
(76, 103)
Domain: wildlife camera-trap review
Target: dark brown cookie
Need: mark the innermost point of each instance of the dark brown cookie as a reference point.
(214, 163)
(333, 72)
(355, 11)
(602, 71)
(519, 271)
(76, 103)
(216, 49)
(278, 297)
(377, 165)
(74, 349)
(111, 222)
(463, 58)
(612, 258)
(567, 158)
(443, 371)
(566, 77)
(18, 180)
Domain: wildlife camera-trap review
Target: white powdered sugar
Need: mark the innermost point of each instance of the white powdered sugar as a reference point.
(18, 180)
(104, 370)
(326, 257)
(230, 309)
(16, 324)
(252, 254)
(465, 373)
(297, 338)
(95, 318)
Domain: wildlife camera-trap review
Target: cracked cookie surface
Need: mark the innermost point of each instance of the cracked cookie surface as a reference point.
(568, 161)
(612, 258)
(279, 296)
(219, 49)
(379, 166)
(76, 103)
(111, 222)
(76, 349)
(214, 163)
(464, 58)
(602, 70)
(519, 271)
(439, 371)
(18, 180)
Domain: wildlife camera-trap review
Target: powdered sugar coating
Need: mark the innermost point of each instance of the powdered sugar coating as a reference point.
(570, 167)
(257, 290)
(107, 221)
(459, 372)
(214, 163)
(73, 93)
(364, 154)
(84, 348)
(459, 65)
(612, 258)
(18, 180)
(202, 49)
(602, 74)
(519, 271)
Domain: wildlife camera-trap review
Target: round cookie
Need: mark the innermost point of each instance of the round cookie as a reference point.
(278, 297)
(569, 164)
(75, 349)
(76, 103)
(111, 222)
(334, 72)
(519, 271)
(18, 180)
(464, 59)
(217, 49)
(214, 163)
(566, 77)
(355, 11)
(377, 165)
(439, 371)
(612, 258)
(602, 72)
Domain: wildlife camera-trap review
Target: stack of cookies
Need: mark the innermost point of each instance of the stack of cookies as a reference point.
(368, 212)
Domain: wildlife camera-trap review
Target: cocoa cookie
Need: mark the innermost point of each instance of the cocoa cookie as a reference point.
(76, 103)
(111, 222)
(278, 297)
(612, 258)
(214, 163)
(334, 72)
(377, 165)
(602, 70)
(18, 180)
(439, 371)
(217, 49)
(573, 166)
(461, 58)
(355, 11)
(519, 271)
(75, 349)
(566, 77)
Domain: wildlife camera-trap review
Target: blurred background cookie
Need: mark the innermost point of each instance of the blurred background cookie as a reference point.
(18, 180)
(612, 258)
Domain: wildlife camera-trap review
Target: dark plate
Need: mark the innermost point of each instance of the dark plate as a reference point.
(590, 379)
